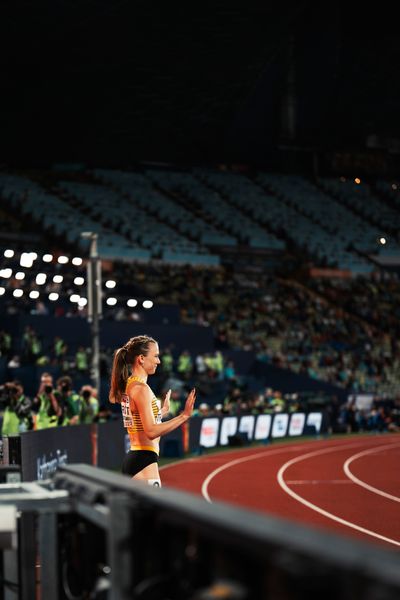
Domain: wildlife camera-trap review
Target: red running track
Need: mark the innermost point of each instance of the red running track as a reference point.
(350, 485)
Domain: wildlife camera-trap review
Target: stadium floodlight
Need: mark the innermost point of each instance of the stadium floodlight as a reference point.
(20, 275)
(47, 258)
(8, 253)
(382, 240)
(132, 302)
(77, 261)
(26, 260)
(63, 260)
(74, 298)
(147, 304)
(110, 284)
(5, 273)
(79, 281)
(18, 293)
(82, 301)
(58, 278)
(111, 301)
(53, 296)
(34, 294)
(2, 291)
(41, 278)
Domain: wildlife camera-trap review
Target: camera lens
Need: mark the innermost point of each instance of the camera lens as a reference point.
(48, 389)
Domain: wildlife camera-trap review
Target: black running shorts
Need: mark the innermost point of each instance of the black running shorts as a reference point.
(136, 460)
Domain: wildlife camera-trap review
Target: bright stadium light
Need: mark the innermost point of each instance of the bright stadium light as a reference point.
(58, 278)
(63, 260)
(74, 298)
(79, 281)
(382, 241)
(82, 301)
(147, 304)
(132, 302)
(26, 260)
(77, 261)
(8, 253)
(34, 294)
(2, 291)
(18, 293)
(20, 275)
(110, 284)
(53, 296)
(111, 301)
(47, 258)
(5, 273)
(41, 278)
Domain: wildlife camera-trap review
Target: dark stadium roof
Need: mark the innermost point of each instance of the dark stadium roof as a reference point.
(112, 81)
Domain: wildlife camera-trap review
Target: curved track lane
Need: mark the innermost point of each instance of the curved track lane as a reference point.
(349, 485)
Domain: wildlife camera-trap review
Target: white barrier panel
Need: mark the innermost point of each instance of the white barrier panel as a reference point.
(209, 432)
(246, 425)
(263, 427)
(228, 427)
(297, 421)
(280, 424)
(315, 418)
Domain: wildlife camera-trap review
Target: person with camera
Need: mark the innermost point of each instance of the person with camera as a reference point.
(89, 405)
(17, 416)
(68, 400)
(47, 408)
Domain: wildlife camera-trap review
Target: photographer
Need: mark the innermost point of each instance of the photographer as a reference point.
(46, 404)
(68, 400)
(17, 415)
(89, 405)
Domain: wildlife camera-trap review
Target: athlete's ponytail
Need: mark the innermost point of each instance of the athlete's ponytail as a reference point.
(123, 360)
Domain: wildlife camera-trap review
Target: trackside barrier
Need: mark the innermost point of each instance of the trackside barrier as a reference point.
(100, 535)
(41, 453)
(209, 432)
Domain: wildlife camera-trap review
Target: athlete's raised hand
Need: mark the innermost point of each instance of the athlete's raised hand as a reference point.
(166, 404)
(189, 404)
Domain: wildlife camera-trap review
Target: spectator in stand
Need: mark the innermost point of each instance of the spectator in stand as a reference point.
(185, 365)
(229, 371)
(31, 345)
(59, 349)
(167, 362)
(82, 361)
(5, 344)
(219, 365)
(200, 365)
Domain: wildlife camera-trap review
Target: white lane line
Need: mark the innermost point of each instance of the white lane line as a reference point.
(318, 509)
(237, 461)
(346, 468)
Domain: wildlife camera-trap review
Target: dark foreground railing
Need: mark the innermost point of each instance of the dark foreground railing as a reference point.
(99, 535)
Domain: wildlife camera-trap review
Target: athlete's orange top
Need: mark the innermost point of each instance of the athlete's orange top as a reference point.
(133, 423)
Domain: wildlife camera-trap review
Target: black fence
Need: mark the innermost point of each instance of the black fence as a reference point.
(93, 534)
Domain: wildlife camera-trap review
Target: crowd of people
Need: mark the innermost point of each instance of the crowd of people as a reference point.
(54, 404)
(328, 330)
